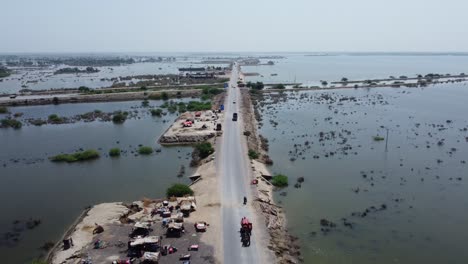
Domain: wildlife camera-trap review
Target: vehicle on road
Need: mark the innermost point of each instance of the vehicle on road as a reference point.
(245, 231)
(234, 117)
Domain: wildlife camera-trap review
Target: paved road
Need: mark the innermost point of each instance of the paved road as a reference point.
(233, 167)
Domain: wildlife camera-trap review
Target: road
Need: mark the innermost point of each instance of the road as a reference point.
(233, 168)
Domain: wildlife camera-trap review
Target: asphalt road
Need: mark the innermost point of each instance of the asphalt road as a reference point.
(233, 167)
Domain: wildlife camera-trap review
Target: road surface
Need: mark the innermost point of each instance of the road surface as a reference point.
(233, 167)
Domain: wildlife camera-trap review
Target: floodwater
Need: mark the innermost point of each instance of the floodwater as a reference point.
(310, 70)
(44, 78)
(415, 192)
(33, 187)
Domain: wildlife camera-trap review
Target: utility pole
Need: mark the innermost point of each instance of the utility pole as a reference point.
(386, 142)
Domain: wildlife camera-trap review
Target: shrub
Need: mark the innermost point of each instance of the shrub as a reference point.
(280, 180)
(378, 138)
(164, 96)
(145, 150)
(145, 103)
(155, 97)
(55, 119)
(279, 86)
(77, 156)
(3, 110)
(256, 86)
(204, 149)
(178, 190)
(253, 154)
(119, 117)
(156, 112)
(198, 106)
(13, 123)
(114, 152)
(84, 89)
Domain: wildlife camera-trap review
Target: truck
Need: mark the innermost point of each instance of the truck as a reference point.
(234, 117)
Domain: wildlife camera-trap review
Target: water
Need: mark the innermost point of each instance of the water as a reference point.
(310, 70)
(426, 224)
(44, 78)
(57, 193)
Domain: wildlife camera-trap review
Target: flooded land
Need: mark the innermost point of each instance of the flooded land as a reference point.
(361, 200)
(376, 174)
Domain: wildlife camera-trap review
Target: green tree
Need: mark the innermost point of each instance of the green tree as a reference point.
(164, 96)
(280, 180)
(204, 149)
(145, 150)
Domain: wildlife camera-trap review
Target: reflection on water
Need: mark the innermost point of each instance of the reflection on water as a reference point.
(405, 205)
(31, 186)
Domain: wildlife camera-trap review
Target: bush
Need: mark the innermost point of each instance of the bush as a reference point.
(119, 117)
(84, 89)
(156, 112)
(55, 119)
(145, 103)
(279, 86)
(3, 110)
(178, 190)
(164, 96)
(253, 154)
(145, 150)
(204, 149)
(198, 106)
(255, 86)
(77, 156)
(378, 138)
(155, 97)
(114, 152)
(280, 180)
(13, 123)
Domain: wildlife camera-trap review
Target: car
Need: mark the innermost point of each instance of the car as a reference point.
(234, 117)
(234, 102)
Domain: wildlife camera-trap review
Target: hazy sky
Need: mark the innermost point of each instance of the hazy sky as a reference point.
(242, 25)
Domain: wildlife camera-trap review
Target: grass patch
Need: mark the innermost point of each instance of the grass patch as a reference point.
(280, 180)
(77, 156)
(145, 150)
(55, 119)
(178, 190)
(253, 154)
(114, 152)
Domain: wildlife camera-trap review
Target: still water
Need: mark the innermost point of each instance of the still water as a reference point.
(421, 182)
(310, 70)
(55, 193)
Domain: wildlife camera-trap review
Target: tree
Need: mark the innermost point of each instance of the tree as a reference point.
(344, 79)
(324, 83)
(156, 112)
(253, 154)
(164, 96)
(204, 149)
(119, 117)
(280, 180)
(279, 86)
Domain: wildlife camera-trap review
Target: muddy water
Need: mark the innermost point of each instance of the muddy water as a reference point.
(415, 193)
(32, 186)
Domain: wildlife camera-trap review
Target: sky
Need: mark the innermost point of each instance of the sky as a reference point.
(233, 26)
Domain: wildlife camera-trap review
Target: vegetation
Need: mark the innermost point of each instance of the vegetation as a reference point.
(84, 89)
(378, 138)
(76, 70)
(155, 97)
(253, 154)
(156, 112)
(55, 119)
(198, 106)
(324, 83)
(256, 86)
(178, 190)
(279, 86)
(344, 79)
(13, 123)
(119, 117)
(114, 152)
(77, 156)
(4, 72)
(145, 150)
(145, 103)
(208, 92)
(204, 149)
(3, 110)
(280, 180)
(36, 261)
(164, 96)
